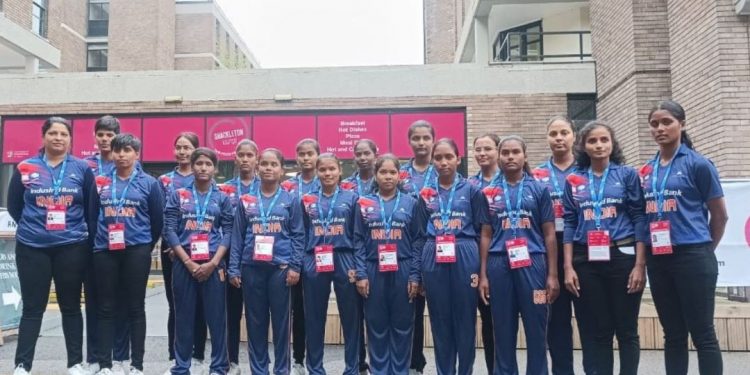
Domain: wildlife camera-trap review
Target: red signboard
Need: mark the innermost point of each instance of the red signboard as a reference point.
(339, 133)
(225, 132)
(21, 139)
(84, 144)
(283, 132)
(446, 124)
(159, 134)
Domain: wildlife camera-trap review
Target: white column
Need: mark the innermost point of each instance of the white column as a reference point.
(32, 65)
(481, 41)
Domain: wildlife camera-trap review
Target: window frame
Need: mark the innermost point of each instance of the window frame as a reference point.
(97, 47)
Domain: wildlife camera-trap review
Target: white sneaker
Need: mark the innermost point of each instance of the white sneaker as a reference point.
(298, 369)
(414, 372)
(104, 371)
(77, 370)
(20, 370)
(135, 371)
(197, 367)
(92, 368)
(234, 369)
(118, 368)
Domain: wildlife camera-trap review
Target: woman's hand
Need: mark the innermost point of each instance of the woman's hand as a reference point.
(363, 287)
(292, 278)
(637, 279)
(553, 289)
(236, 282)
(571, 281)
(204, 271)
(413, 289)
(484, 290)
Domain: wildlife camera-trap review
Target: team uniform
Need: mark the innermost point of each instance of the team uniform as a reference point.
(170, 182)
(604, 218)
(298, 187)
(56, 216)
(517, 270)
(559, 329)
(388, 252)
(450, 269)
(682, 265)
(130, 223)
(200, 223)
(356, 184)
(235, 189)
(329, 258)
(488, 339)
(411, 182)
(268, 240)
(101, 169)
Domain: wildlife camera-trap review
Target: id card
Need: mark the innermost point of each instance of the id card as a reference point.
(518, 253)
(598, 245)
(56, 217)
(199, 247)
(445, 247)
(324, 258)
(661, 240)
(116, 236)
(387, 257)
(559, 221)
(263, 248)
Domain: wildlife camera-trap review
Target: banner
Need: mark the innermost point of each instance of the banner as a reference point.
(733, 252)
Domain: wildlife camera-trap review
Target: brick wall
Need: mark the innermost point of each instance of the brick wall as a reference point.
(525, 115)
(141, 35)
(194, 63)
(441, 30)
(67, 29)
(711, 78)
(18, 11)
(194, 33)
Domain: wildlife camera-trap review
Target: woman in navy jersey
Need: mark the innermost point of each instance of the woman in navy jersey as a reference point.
(686, 213)
(365, 153)
(304, 182)
(245, 183)
(413, 176)
(329, 258)
(454, 213)
(486, 155)
(180, 177)
(265, 260)
(519, 260)
(552, 173)
(388, 246)
(101, 164)
(604, 238)
(52, 198)
(197, 225)
(129, 226)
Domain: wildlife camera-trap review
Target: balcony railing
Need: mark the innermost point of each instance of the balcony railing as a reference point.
(561, 46)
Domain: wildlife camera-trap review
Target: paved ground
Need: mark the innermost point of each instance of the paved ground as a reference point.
(50, 351)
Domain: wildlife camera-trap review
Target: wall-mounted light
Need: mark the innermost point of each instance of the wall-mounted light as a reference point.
(283, 97)
(173, 99)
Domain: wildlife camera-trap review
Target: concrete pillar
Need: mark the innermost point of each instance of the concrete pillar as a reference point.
(481, 41)
(32, 65)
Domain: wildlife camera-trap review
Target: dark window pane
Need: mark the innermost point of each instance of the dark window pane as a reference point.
(581, 108)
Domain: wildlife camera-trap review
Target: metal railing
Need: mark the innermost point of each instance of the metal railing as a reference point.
(525, 46)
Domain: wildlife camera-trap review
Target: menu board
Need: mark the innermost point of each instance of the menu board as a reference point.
(339, 134)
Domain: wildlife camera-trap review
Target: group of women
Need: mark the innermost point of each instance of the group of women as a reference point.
(581, 229)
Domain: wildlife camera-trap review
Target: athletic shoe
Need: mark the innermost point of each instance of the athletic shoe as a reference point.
(105, 371)
(197, 367)
(414, 372)
(77, 370)
(118, 368)
(20, 370)
(169, 369)
(298, 369)
(135, 371)
(234, 369)
(91, 368)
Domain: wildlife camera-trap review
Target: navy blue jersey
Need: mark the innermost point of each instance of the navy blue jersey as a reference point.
(174, 180)
(356, 184)
(298, 187)
(479, 181)
(405, 232)
(535, 210)
(463, 217)
(622, 208)
(554, 178)
(32, 191)
(235, 189)
(284, 224)
(340, 229)
(692, 181)
(99, 166)
(141, 209)
(412, 181)
(182, 219)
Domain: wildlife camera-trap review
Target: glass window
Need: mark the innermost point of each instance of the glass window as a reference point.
(39, 17)
(581, 108)
(98, 18)
(97, 57)
(523, 43)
